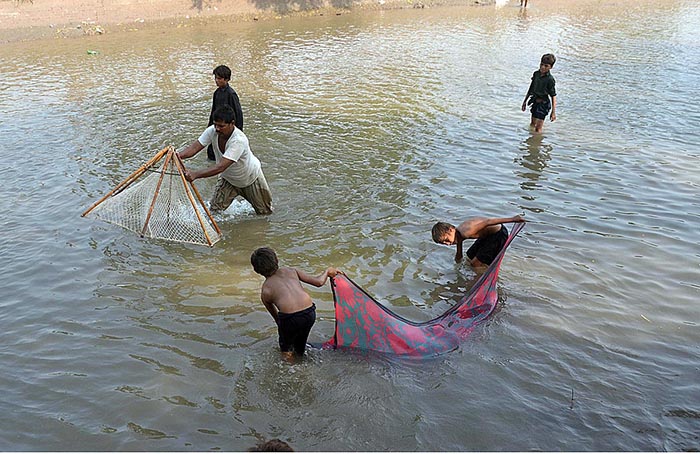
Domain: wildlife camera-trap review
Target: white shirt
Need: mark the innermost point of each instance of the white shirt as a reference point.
(245, 168)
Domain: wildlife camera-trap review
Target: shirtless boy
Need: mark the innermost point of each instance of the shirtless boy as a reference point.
(286, 300)
(489, 233)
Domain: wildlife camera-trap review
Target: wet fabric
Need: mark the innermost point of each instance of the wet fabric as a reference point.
(257, 194)
(486, 249)
(541, 109)
(542, 86)
(294, 329)
(364, 323)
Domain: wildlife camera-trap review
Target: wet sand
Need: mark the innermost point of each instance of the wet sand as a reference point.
(22, 20)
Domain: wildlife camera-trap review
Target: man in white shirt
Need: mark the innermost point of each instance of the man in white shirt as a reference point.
(240, 172)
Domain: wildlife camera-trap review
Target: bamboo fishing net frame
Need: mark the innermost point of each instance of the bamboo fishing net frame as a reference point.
(209, 229)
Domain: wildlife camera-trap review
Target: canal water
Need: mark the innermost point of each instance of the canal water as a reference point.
(371, 126)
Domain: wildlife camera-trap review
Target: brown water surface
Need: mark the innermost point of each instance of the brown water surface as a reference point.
(370, 127)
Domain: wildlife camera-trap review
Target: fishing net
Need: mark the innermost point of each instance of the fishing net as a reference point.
(159, 203)
(365, 324)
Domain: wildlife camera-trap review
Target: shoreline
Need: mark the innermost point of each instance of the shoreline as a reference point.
(31, 20)
(28, 20)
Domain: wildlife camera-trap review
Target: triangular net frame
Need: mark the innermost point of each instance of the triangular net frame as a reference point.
(159, 203)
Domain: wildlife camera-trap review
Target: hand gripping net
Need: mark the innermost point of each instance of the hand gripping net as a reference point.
(159, 203)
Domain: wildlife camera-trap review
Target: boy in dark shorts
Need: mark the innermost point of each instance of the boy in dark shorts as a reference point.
(542, 88)
(286, 300)
(490, 237)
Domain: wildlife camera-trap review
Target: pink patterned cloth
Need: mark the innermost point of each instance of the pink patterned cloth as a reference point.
(365, 324)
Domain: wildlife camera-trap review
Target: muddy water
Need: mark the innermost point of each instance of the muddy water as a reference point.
(370, 127)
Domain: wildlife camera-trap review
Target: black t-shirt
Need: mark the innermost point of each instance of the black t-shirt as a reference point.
(227, 96)
(542, 86)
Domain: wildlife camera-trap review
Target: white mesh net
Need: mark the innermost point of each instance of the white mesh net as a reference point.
(159, 204)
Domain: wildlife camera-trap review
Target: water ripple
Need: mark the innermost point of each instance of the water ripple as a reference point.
(370, 127)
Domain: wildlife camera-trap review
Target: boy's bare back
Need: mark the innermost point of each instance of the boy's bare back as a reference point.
(284, 290)
(479, 227)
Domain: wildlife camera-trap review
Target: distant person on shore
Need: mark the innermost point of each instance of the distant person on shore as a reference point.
(274, 445)
(285, 299)
(523, 3)
(489, 233)
(240, 172)
(542, 88)
(224, 95)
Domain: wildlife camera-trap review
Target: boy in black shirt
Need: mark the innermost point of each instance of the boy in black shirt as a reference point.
(224, 96)
(541, 89)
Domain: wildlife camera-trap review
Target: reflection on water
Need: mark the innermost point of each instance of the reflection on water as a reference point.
(370, 127)
(536, 155)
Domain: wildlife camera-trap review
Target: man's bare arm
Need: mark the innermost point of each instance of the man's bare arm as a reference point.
(191, 150)
(192, 175)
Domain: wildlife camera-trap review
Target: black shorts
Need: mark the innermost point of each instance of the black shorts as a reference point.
(486, 249)
(294, 329)
(541, 109)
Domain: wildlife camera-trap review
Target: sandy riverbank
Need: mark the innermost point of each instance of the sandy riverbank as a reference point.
(34, 19)
(22, 20)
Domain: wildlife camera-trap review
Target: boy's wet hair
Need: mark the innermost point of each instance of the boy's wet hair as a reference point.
(264, 261)
(548, 59)
(274, 445)
(225, 114)
(222, 71)
(440, 229)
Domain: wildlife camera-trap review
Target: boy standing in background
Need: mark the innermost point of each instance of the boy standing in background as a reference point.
(541, 89)
(224, 96)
